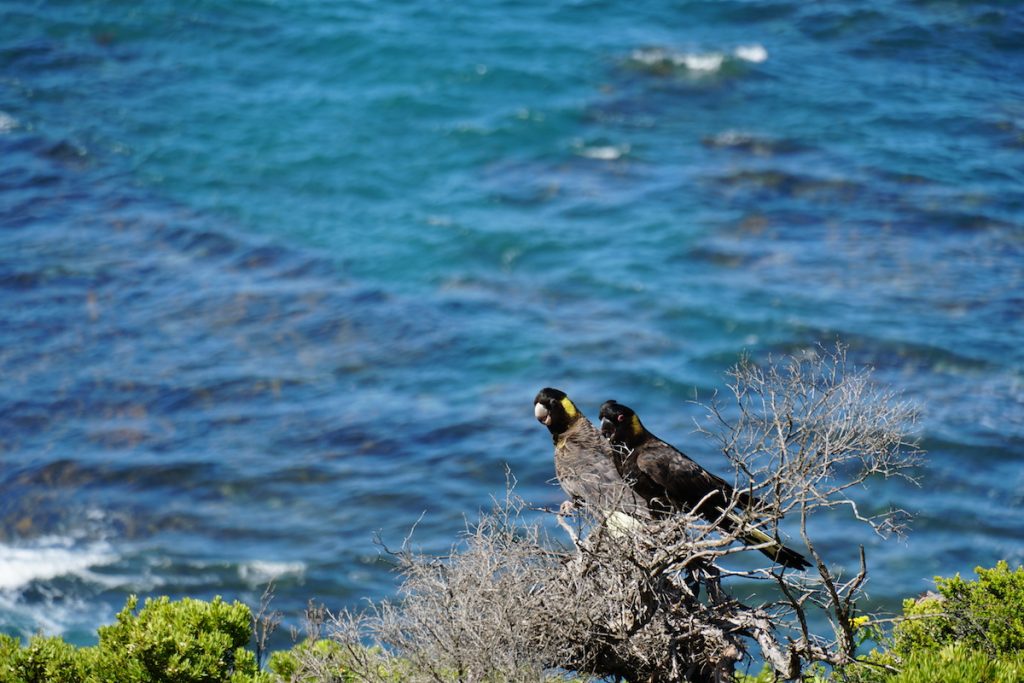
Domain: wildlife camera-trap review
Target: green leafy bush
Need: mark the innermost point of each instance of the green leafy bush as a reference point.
(324, 660)
(176, 642)
(985, 615)
(188, 641)
(307, 660)
(43, 660)
(959, 663)
(964, 632)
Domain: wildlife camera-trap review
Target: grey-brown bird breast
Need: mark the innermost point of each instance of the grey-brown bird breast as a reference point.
(586, 470)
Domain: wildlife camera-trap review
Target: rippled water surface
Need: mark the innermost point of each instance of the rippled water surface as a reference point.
(276, 277)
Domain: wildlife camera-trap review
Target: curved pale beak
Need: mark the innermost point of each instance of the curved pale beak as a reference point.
(607, 427)
(542, 414)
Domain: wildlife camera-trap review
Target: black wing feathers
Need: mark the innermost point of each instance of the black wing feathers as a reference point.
(669, 481)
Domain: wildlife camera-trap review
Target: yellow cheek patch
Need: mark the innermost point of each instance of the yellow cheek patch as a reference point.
(570, 408)
(638, 429)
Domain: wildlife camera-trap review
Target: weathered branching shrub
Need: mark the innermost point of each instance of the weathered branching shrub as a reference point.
(647, 601)
(804, 434)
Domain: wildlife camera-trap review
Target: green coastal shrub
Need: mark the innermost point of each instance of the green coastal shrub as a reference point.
(958, 663)
(42, 660)
(986, 615)
(307, 659)
(326, 660)
(964, 632)
(186, 641)
(176, 642)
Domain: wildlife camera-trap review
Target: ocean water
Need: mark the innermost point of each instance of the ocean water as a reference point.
(278, 278)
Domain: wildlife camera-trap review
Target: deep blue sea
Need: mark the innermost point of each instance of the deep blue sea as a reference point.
(276, 277)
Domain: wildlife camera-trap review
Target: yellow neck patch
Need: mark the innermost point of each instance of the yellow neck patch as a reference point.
(570, 408)
(637, 428)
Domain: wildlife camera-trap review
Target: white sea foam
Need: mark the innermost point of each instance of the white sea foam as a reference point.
(259, 572)
(731, 138)
(7, 122)
(649, 56)
(56, 614)
(699, 62)
(709, 62)
(29, 619)
(752, 53)
(48, 558)
(605, 152)
(706, 62)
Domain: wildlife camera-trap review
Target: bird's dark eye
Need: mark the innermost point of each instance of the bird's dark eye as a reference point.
(620, 418)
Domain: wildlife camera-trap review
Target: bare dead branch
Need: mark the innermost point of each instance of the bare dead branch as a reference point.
(264, 622)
